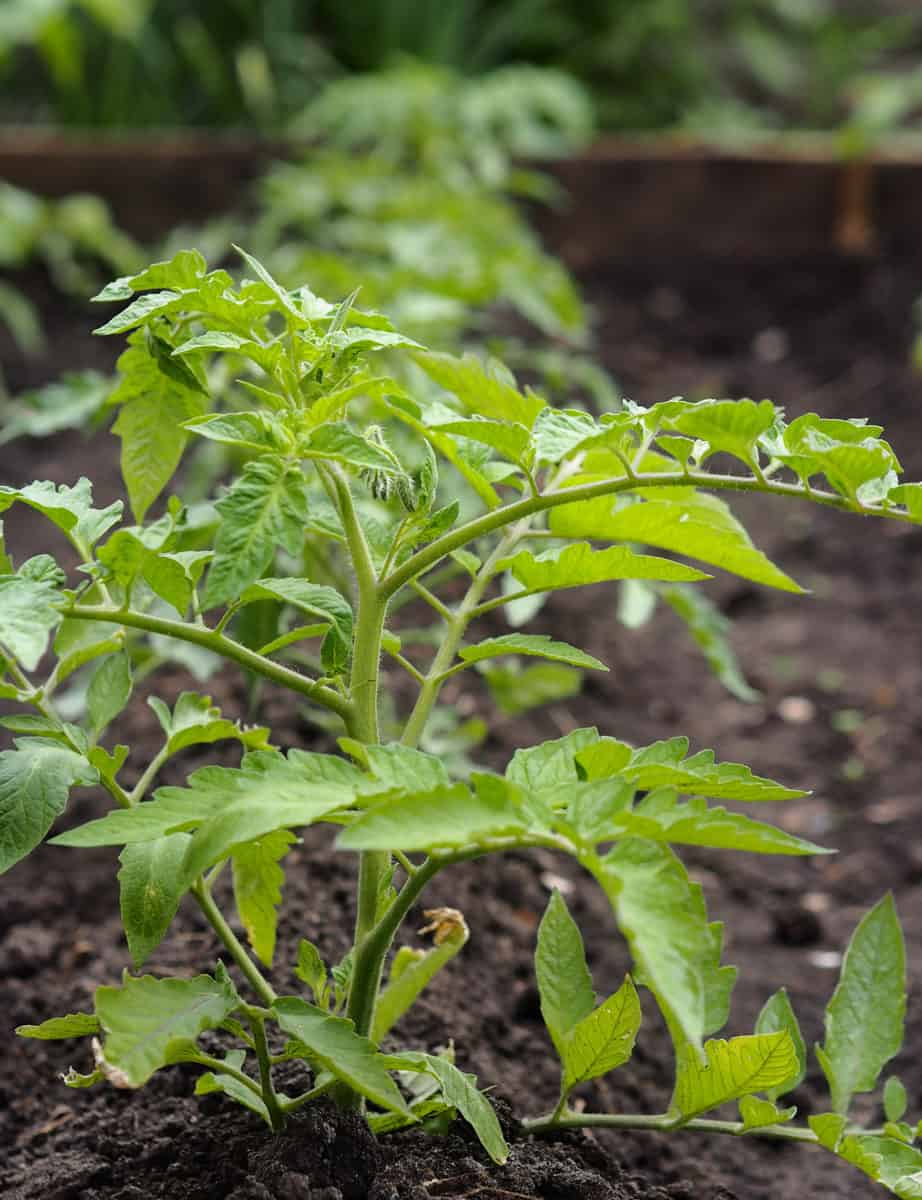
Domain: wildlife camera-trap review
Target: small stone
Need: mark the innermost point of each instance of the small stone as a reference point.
(796, 710)
(771, 345)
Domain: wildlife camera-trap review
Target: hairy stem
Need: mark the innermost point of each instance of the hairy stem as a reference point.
(219, 644)
(232, 943)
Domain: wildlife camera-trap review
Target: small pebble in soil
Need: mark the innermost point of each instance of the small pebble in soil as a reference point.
(796, 710)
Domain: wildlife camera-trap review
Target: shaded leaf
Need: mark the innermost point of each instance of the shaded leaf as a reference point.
(35, 779)
(151, 885)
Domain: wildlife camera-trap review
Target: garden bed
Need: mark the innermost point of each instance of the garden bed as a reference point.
(841, 713)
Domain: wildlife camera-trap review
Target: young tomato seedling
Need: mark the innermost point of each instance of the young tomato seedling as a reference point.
(367, 472)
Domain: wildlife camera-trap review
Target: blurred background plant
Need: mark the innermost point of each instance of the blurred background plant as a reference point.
(716, 66)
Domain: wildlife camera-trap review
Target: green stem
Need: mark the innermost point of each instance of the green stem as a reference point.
(289, 1106)
(428, 556)
(456, 625)
(137, 793)
(662, 1122)
(223, 1068)
(219, 644)
(270, 1099)
(372, 950)
(232, 944)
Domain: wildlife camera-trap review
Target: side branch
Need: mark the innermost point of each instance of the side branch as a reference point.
(455, 539)
(219, 644)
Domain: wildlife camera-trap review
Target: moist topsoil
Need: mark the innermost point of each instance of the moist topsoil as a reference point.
(840, 713)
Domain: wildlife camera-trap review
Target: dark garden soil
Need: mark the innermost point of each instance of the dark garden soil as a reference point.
(840, 674)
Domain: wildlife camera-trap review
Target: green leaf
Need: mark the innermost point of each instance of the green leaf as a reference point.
(251, 430)
(660, 817)
(735, 1068)
(510, 441)
(756, 1113)
(558, 431)
(171, 576)
(258, 883)
(286, 301)
(864, 1018)
(312, 970)
(896, 1099)
(517, 689)
(195, 721)
(70, 508)
(35, 779)
(139, 311)
(663, 764)
(145, 1014)
(564, 982)
(486, 390)
(461, 1092)
(151, 885)
(211, 1082)
(538, 645)
(316, 600)
(333, 1044)
(662, 915)
(682, 520)
(109, 690)
(154, 407)
(443, 819)
(265, 508)
(186, 269)
(230, 805)
(578, 565)
(709, 629)
(603, 1040)
(73, 1025)
(730, 426)
(828, 1127)
(777, 1015)
(337, 441)
(27, 617)
(398, 767)
(888, 1160)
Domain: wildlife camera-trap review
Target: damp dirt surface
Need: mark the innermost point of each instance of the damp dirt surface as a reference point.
(840, 713)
